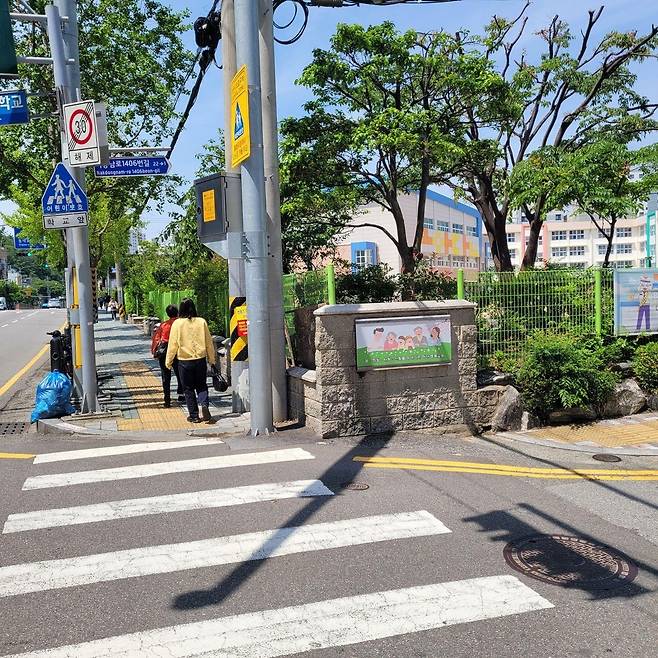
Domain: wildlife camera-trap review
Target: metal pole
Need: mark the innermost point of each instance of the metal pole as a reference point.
(81, 235)
(460, 284)
(331, 284)
(255, 226)
(273, 205)
(236, 278)
(119, 281)
(598, 311)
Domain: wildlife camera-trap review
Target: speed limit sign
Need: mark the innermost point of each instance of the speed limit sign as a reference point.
(81, 134)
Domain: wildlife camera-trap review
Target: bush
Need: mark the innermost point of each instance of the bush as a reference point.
(645, 366)
(562, 371)
(367, 283)
(426, 284)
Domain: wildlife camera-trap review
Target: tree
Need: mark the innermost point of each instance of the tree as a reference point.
(132, 57)
(380, 125)
(596, 178)
(577, 88)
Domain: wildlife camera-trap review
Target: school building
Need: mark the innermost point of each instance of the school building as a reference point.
(452, 235)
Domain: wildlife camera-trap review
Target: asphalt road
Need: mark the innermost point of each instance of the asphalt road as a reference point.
(411, 566)
(22, 336)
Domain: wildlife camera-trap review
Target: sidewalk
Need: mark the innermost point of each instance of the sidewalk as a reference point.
(130, 386)
(631, 435)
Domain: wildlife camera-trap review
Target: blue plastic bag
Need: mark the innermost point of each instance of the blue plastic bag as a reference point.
(53, 398)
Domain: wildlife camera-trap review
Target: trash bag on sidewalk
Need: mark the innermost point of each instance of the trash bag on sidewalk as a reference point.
(53, 398)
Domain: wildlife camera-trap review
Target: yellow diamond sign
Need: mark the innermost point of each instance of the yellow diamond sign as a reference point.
(240, 136)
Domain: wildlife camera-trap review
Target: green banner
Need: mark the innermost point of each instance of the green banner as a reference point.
(8, 64)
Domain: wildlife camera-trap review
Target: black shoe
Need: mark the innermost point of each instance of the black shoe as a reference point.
(205, 413)
(167, 405)
(193, 419)
(181, 398)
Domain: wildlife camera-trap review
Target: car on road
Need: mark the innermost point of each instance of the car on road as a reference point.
(55, 302)
(3, 304)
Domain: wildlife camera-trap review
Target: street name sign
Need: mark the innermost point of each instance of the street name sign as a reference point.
(64, 204)
(13, 107)
(240, 134)
(81, 134)
(146, 166)
(24, 243)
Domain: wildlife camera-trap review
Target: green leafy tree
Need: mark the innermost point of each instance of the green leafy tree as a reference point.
(132, 58)
(557, 103)
(383, 123)
(596, 178)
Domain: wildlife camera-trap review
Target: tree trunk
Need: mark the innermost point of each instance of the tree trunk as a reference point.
(530, 256)
(608, 249)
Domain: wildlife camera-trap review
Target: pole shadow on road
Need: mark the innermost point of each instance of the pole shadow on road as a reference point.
(342, 471)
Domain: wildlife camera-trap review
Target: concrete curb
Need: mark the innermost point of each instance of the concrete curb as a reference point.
(591, 448)
(56, 426)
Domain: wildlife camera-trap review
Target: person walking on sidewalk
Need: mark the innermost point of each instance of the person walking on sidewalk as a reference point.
(113, 307)
(190, 341)
(159, 346)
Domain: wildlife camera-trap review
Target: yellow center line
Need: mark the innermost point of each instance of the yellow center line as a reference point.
(7, 385)
(15, 455)
(510, 471)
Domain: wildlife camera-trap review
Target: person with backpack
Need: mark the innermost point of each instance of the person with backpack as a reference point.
(191, 343)
(159, 345)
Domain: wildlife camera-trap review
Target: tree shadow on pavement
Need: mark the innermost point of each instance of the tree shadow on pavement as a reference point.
(342, 471)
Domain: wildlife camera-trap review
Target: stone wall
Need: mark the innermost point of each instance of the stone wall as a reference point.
(337, 400)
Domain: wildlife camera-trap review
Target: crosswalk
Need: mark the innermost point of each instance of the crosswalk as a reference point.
(290, 629)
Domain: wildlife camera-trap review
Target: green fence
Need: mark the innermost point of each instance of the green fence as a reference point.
(307, 289)
(512, 305)
(304, 289)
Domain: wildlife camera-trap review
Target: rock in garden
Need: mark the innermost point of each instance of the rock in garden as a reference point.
(509, 412)
(626, 399)
(572, 415)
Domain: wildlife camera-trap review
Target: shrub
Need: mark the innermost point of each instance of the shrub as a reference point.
(562, 371)
(367, 283)
(645, 366)
(426, 283)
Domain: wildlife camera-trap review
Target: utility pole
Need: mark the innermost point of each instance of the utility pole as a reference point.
(236, 276)
(119, 281)
(247, 18)
(64, 47)
(273, 205)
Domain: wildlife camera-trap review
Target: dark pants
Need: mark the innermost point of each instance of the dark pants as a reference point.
(166, 378)
(194, 377)
(643, 312)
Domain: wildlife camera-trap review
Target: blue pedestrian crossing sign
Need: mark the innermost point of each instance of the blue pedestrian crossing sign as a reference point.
(238, 130)
(64, 204)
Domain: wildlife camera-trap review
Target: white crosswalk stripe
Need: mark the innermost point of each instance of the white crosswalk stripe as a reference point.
(165, 468)
(123, 509)
(293, 629)
(333, 623)
(127, 449)
(71, 572)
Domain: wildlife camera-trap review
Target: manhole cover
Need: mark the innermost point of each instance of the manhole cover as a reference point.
(14, 428)
(355, 486)
(605, 457)
(570, 562)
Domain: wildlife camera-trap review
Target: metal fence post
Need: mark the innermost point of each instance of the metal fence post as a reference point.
(460, 284)
(598, 310)
(331, 284)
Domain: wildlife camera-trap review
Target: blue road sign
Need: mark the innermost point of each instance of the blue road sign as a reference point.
(24, 243)
(63, 195)
(13, 107)
(146, 166)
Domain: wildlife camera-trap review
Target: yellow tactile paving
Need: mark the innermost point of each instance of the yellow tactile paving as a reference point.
(146, 391)
(605, 434)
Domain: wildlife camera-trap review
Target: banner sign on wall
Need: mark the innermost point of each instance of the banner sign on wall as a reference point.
(636, 301)
(407, 341)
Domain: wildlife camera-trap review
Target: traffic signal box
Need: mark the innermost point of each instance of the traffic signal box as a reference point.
(8, 63)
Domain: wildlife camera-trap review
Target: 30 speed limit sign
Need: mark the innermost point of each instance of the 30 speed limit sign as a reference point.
(81, 134)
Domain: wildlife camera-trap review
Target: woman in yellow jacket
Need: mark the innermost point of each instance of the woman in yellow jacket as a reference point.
(190, 342)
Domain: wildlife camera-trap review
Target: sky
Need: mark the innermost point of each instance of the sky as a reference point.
(207, 114)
